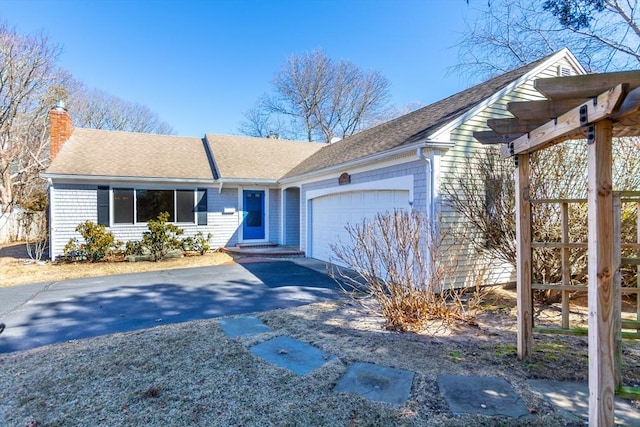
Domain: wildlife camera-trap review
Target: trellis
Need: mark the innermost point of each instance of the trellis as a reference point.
(595, 107)
(565, 245)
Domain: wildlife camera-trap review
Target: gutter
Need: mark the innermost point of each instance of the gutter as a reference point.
(244, 181)
(103, 178)
(367, 159)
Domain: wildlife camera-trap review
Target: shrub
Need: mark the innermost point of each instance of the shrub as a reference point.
(161, 237)
(98, 243)
(198, 243)
(397, 260)
(133, 247)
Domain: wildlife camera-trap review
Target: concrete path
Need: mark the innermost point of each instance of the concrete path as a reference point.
(46, 313)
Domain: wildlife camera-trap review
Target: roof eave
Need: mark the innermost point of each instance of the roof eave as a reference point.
(442, 134)
(358, 162)
(258, 181)
(103, 178)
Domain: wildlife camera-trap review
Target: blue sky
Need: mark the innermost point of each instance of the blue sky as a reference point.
(201, 64)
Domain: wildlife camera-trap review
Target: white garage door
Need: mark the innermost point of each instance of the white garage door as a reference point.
(330, 214)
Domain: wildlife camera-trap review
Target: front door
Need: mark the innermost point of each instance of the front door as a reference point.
(253, 224)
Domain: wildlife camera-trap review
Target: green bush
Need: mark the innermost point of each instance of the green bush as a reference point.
(161, 237)
(98, 243)
(199, 243)
(133, 247)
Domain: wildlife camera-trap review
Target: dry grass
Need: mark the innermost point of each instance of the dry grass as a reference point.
(17, 269)
(192, 374)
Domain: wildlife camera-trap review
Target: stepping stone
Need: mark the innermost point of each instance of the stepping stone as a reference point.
(244, 326)
(380, 383)
(574, 399)
(296, 356)
(490, 396)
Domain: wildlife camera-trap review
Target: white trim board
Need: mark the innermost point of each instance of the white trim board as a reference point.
(399, 183)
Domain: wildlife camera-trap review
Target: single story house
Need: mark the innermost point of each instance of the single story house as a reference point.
(254, 190)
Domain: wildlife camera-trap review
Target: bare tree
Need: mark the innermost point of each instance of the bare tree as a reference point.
(99, 110)
(260, 122)
(603, 34)
(317, 99)
(28, 78)
(30, 84)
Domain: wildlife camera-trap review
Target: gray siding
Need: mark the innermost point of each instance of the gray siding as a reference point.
(73, 204)
(292, 216)
(224, 226)
(274, 216)
(453, 164)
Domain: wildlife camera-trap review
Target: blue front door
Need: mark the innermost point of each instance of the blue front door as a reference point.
(253, 224)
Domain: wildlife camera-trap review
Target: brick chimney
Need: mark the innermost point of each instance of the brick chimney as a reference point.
(60, 128)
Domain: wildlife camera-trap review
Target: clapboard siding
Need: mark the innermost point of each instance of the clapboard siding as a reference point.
(77, 203)
(224, 226)
(454, 163)
(292, 216)
(73, 204)
(274, 216)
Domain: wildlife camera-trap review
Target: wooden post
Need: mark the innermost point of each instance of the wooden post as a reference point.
(638, 267)
(523, 259)
(566, 266)
(601, 275)
(617, 289)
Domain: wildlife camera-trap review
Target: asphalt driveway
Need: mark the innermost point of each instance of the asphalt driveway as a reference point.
(47, 313)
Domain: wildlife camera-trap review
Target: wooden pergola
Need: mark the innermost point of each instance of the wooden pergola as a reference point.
(595, 107)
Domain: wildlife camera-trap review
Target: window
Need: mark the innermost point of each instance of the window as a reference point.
(151, 203)
(122, 206)
(185, 206)
(132, 206)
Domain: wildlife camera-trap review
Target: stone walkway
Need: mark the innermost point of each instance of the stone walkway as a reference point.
(490, 396)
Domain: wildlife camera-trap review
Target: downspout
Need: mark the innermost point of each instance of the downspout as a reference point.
(430, 210)
(52, 236)
(429, 192)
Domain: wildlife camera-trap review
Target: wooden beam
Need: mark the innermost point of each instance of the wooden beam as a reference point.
(580, 332)
(585, 86)
(629, 106)
(569, 125)
(543, 110)
(514, 126)
(523, 259)
(489, 137)
(601, 275)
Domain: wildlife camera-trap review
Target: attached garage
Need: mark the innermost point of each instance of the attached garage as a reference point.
(329, 214)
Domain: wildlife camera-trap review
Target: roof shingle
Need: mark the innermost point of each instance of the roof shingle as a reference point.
(243, 157)
(92, 152)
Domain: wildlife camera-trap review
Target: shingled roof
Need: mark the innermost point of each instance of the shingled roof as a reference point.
(411, 127)
(244, 157)
(92, 152)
